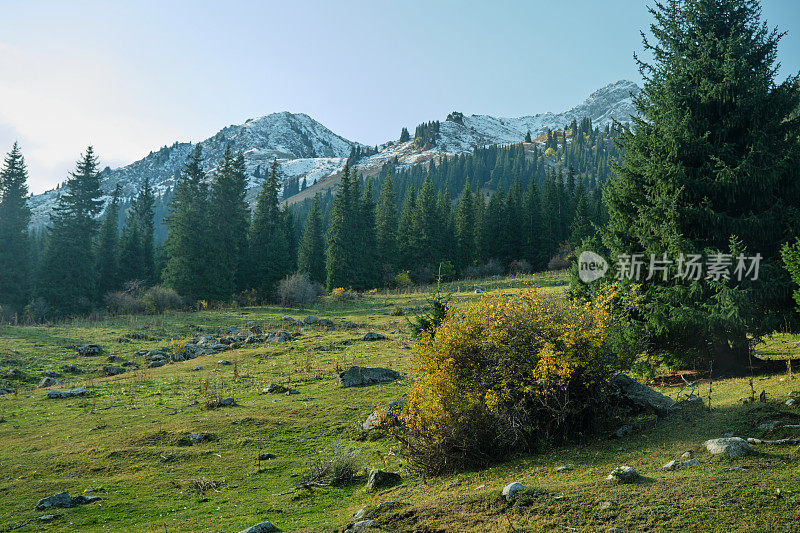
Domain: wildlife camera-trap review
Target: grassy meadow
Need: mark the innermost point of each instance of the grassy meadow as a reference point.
(126, 440)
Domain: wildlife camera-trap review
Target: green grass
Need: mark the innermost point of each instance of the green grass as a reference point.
(125, 440)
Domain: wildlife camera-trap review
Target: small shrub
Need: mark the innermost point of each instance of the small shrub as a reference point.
(492, 267)
(335, 466)
(158, 299)
(343, 295)
(509, 373)
(520, 267)
(403, 279)
(299, 290)
(123, 303)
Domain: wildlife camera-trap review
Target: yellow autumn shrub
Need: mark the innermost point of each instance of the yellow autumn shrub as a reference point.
(508, 373)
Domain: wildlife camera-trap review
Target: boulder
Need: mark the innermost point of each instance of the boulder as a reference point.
(49, 382)
(372, 336)
(624, 474)
(71, 369)
(83, 500)
(274, 388)
(282, 336)
(156, 364)
(266, 456)
(197, 368)
(384, 416)
(109, 370)
(511, 490)
(310, 320)
(78, 391)
(263, 527)
(361, 526)
(326, 323)
(358, 376)
(89, 349)
(729, 447)
(223, 362)
(50, 374)
(641, 397)
(61, 499)
(380, 478)
(226, 402)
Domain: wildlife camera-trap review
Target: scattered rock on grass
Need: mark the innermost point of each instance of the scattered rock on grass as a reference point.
(380, 478)
(49, 382)
(357, 376)
(624, 474)
(511, 490)
(226, 402)
(263, 527)
(274, 388)
(109, 370)
(674, 465)
(89, 349)
(361, 526)
(372, 336)
(82, 500)
(729, 447)
(641, 397)
(61, 499)
(197, 438)
(624, 431)
(266, 456)
(223, 362)
(311, 319)
(564, 468)
(78, 391)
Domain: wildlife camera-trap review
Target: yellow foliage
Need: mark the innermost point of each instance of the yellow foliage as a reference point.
(176, 346)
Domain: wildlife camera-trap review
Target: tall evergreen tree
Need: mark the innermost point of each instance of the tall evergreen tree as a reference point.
(465, 230)
(311, 255)
(229, 219)
(14, 246)
(405, 230)
(67, 276)
(186, 249)
(342, 254)
(108, 248)
(270, 250)
(424, 229)
(137, 260)
(709, 166)
(386, 228)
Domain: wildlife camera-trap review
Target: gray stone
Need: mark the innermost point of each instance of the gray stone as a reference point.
(686, 455)
(791, 402)
(109, 370)
(71, 369)
(156, 364)
(46, 517)
(311, 319)
(263, 527)
(78, 391)
(641, 396)
(226, 402)
(361, 526)
(266, 456)
(223, 362)
(290, 392)
(624, 474)
(384, 416)
(274, 388)
(623, 431)
(511, 490)
(729, 447)
(672, 465)
(603, 506)
(326, 323)
(357, 376)
(197, 438)
(282, 336)
(13, 373)
(49, 382)
(380, 478)
(83, 500)
(197, 368)
(50, 374)
(89, 349)
(61, 499)
(288, 319)
(563, 469)
(372, 336)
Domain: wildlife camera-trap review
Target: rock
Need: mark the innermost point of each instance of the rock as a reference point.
(692, 402)
(223, 362)
(624, 474)
(380, 478)
(310, 320)
(197, 438)
(604, 505)
(266, 456)
(686, 455)
(615, 530)
(357, 376)
(226, 402)
(78, 391)
(50, 374)
(274, 388)
(479, 289)
(71, 369)
(511, 490)
(83, 500)
(672, 465)
(46, 517)
(290, 392)
(387, 416)
(623, 431)
(282, 336)
(691, 462)
(359, 513)
(61, 499)
(197, 368)
(13, 373)
(349, 325)
(49, 382)
(641, 396)
(288, 319)
(791, 402)
(361, 526)
(263, 527)
(326, 323)
(109, 370)
(372, 336)
(730, 447)
(156, 364)
(563, 469)
(89, 349)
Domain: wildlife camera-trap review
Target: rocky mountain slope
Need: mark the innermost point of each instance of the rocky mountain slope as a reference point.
(307, 149)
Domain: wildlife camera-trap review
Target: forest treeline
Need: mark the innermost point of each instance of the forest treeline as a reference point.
(499, 208)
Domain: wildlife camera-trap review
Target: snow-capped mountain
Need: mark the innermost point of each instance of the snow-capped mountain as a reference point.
(306, 148)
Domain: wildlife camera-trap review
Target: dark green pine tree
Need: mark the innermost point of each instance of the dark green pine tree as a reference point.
(465, 230)
(528, 137)
(311, 255)
(291, 237)
(270, 250)
(14, 246)
(405, 230)
(710, 165)
(424, 228)
(532, 226)
(386, 229)
(67, 276)
(187, 247)
(404, 135)
(367, 258)
(581, 226)
(137, 256)
(228, 222)
(108, 248)
(341, 256)
(493, 234)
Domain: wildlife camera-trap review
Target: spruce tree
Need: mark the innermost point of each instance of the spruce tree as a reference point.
(709, 166)
(187, 248)
(137, 260)
(465, 230)
(108, 248)
(367, 258)
(311, 255)
(341, 256)
(229, 219)
(270, 249)
(386, 228)
(405, 248)
(423, 227)
(67, 277)
(14, 246)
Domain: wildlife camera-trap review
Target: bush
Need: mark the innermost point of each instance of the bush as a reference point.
(123, 303)
(403, 279)
(158, 299)
(342, 295)
(299, 290)
(335, 467)
(519, 267)
(510, 373)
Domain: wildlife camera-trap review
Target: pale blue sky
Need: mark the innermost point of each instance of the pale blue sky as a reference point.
(131, 77)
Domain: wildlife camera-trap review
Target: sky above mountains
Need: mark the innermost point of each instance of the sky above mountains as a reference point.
(131, 77)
